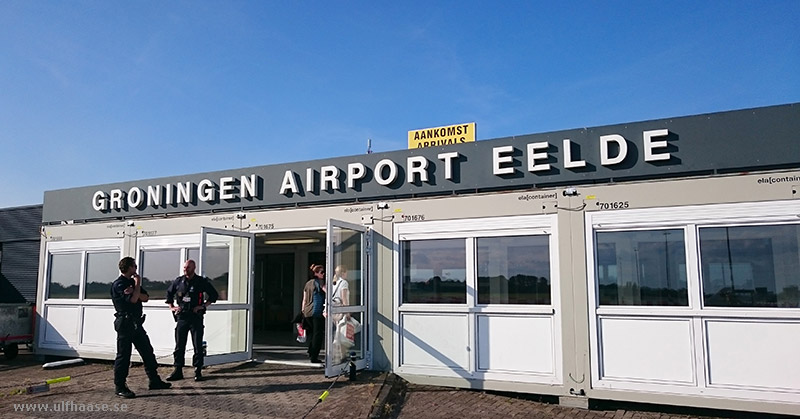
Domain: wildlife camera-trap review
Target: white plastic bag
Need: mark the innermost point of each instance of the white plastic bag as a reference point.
(346, 331)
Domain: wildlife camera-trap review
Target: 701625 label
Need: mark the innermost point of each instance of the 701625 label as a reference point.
(613, 205)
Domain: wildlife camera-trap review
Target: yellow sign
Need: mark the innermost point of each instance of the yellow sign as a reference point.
(439, 136)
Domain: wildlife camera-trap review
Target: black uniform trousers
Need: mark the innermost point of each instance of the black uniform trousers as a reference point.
(136, 337)
(189, 323)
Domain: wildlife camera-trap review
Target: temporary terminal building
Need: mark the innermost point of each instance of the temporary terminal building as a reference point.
(654, 261)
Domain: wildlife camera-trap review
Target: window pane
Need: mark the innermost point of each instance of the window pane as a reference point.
(215, 267)
(342, 344)
(751, 266)
(230, 331)
(102, 268)
(347, 267)
(642, 268)
(514, 270)
(158, 269)
(434, 271)
(65, 275)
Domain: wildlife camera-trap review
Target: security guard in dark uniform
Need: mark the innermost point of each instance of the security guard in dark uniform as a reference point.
(186, 297)
(127, 294)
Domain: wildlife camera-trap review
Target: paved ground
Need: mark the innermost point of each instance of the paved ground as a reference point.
(257, 390)
(251, 390)
(439, 402)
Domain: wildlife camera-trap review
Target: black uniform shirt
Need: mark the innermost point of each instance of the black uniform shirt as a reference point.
(188, 294)
(122, 301)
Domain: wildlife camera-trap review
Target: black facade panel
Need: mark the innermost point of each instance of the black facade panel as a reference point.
(9, 294)
(19, 242)
(735, 141)
(20, 223)
(21, 267)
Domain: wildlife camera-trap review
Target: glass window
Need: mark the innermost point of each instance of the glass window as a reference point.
(227, 340)
(102, 268)
(751, 266)
(645, 268)
(193, 254)
(344, 341)
(514, 270)
(434, 271)
(65, 275)
(158, 268)
(215, 267)
(347, 271)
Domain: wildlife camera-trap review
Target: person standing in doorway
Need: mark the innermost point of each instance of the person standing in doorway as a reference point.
(188, 297)
(127, 294)
(341, 289)
(313, 311)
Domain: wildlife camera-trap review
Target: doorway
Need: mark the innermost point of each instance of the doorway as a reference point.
(281, 270)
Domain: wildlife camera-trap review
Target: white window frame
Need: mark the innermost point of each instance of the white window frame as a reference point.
(691, 218)
(469, 230)
(776, 312)
(625, 309)
(182, 243)
(82, 247)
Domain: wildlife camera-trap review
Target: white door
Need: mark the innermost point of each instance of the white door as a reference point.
(226, 259)
(347, 305)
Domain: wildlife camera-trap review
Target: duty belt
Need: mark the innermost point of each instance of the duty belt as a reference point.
(131, 316)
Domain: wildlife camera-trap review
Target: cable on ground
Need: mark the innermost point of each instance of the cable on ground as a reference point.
(327, 392)
(41, 388)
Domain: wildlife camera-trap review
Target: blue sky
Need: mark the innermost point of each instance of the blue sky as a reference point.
(95, 92)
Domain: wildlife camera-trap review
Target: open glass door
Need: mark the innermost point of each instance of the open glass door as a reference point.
(226, 259)
(347, 305)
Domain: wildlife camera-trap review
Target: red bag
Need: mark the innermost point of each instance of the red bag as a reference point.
(301, 333)
(350, 332)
